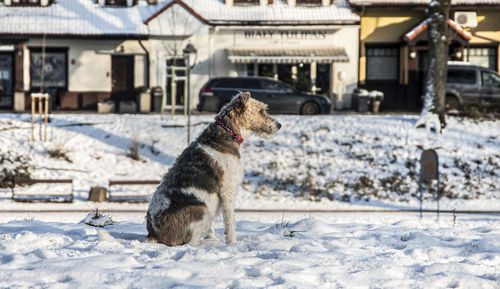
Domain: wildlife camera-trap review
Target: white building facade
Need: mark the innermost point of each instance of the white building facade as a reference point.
(312, 45)
(89, 51)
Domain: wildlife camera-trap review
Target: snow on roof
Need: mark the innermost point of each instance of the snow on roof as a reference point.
(216, 12)
(71, 17)
(419, 2)
(87, 18)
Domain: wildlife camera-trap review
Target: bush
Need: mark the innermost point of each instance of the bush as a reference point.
(13, 166)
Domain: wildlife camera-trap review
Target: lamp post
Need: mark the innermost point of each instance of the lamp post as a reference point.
(190, 55)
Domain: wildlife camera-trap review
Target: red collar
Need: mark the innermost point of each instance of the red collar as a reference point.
(235, 136)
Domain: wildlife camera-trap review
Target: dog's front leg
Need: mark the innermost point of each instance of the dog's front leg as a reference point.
(228, 217)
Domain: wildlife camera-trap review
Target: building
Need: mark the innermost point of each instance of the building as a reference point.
(393, 44)
(311, 44)
(90, 52)
(96, 50)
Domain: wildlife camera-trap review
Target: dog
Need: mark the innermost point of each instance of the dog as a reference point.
(206, 176)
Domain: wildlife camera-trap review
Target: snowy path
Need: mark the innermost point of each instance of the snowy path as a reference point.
(294, 251)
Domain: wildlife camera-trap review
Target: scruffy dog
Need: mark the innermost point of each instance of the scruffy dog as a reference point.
(206, 176)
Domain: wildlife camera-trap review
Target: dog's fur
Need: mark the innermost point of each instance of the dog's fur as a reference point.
(206, 176)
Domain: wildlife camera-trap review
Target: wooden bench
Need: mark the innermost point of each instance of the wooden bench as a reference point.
(130, 197)
(41, 197)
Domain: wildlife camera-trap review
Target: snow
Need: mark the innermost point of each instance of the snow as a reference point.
(335, 162)
(326, 251)
(321, 162)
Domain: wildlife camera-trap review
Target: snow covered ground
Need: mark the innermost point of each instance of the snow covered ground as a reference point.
(324, 162)
(273, 251)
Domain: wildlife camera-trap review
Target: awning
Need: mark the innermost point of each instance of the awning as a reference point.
(287, 55)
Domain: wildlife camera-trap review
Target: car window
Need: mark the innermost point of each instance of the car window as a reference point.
(250, 83)
(466, 76)
(488, 78)
(225, 83)
(275, 86)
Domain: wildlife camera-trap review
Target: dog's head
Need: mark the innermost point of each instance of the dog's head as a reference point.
(250, 115)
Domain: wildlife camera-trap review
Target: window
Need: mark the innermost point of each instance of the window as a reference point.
(488, 78)
(27, 2)
(483, 56)
(51, 71)
(226, 83)
(246, 2)
(275, 86)
(463, 76)
(6, 81)
(251, 84)
(309, 2)
(381, 63)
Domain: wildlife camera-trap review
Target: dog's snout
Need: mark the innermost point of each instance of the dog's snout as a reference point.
(278, 124)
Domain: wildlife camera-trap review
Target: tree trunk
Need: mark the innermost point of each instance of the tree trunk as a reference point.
(435, 84)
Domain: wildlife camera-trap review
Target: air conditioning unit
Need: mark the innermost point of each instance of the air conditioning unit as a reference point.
(466, 18)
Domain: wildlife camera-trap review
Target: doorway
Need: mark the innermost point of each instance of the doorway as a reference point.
(6, 80)
(122, 78)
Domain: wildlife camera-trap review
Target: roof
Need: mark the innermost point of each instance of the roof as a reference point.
(420, 28)
(287, 55)
(71, 17)
(217, 13)
(87, 18)
(422, 2)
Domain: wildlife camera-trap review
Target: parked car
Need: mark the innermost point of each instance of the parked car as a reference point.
(470, 84)
(279, 96)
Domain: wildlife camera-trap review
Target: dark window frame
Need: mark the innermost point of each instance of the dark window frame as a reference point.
(383, 46)
(310, 2)
(37, 3)
(249, 2)
(64, 50)
(495, 54)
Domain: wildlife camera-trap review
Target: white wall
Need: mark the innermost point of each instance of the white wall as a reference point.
(91, 70)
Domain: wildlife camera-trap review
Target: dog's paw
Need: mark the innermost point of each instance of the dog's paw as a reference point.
(230, 239)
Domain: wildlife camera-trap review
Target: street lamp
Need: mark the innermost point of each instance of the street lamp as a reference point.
(190, 56)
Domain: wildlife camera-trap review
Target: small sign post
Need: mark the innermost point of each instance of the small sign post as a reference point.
(429, 170)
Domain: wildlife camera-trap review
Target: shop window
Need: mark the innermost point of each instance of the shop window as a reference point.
(483, 56)
(50, 70)
(381, 63)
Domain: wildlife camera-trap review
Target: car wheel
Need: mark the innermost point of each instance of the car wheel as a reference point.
(452, 103)
(309, 108)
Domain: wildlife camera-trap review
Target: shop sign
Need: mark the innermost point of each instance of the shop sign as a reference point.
(285, 36)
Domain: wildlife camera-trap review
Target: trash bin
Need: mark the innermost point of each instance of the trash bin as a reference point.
(156, 96)
(361, 100)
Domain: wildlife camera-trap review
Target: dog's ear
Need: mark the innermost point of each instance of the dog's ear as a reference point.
(243, 97)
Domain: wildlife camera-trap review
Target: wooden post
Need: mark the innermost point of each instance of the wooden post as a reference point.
(32, 119)
(40, 116)
(46, 116)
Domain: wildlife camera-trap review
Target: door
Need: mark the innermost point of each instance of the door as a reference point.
(122, 77)
(6, 80)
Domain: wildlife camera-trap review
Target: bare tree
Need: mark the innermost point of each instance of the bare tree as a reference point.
(433, 115)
